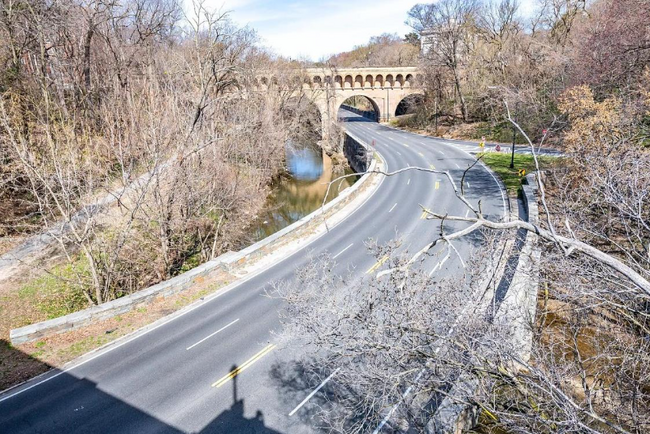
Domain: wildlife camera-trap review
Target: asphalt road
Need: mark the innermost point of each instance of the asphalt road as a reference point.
(176, 377)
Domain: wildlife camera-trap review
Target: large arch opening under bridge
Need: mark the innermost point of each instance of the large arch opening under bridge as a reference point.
(362, 105)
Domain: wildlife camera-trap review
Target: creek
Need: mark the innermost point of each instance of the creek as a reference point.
(301, 191)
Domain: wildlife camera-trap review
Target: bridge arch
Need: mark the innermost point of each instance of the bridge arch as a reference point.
(372, 103)
(409, 104)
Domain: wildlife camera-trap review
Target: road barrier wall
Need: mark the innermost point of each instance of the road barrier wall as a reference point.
(358, 156)
(233, 263)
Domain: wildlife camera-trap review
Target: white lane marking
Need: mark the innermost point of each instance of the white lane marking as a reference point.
(467, 214)
(502, 190)
(440, 264)
(304, 401)
(392, 410)
(341, 252)
(408, 182)
(392, 207)
(467, 182)
(457, 166)
(209, 336)
(399, 153)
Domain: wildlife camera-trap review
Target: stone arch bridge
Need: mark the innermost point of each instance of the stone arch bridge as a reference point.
(328, 88)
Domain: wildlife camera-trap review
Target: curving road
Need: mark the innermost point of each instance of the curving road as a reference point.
(176, 377)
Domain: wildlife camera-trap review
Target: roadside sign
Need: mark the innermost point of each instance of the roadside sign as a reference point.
(522, 172)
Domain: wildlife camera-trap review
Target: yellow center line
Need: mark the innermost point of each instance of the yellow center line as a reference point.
(232, 374)
(432, 167)
(421, 154)
(406, 145)
(437, 185)
(424, 214)
(377, 265)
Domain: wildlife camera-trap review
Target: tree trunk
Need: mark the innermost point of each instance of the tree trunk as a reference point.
(463, 108)
(86, 58)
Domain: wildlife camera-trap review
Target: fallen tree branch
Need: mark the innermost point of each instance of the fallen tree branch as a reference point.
(568, 244)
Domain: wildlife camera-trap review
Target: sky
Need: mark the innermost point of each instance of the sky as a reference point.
(316, 29)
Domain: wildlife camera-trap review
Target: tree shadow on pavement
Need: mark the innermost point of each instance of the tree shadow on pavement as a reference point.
(297, 379)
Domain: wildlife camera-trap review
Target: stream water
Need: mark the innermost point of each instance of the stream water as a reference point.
(302, 191)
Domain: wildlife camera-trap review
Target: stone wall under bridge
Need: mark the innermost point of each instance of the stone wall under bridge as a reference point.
(328, 88)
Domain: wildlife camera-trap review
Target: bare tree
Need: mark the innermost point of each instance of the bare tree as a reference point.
(450, 22)
(397, 356)
(157, 167)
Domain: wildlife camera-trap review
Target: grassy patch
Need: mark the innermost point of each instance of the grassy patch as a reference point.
(500, 163)
(84, 345)
(60, 292)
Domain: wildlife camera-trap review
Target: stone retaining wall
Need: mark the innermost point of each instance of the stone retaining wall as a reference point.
(231, 262)
(356, 153)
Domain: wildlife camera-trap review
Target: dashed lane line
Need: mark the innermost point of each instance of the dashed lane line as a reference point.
(209, 336)
(342, 251)
(304, 401)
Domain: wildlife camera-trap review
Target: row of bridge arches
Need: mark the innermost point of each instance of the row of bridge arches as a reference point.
(343, 81)
(367, 81)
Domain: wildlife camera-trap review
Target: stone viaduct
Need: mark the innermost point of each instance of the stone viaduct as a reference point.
(328, 89)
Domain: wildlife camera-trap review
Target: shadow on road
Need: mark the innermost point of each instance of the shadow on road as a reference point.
(233, 419)
(65, 403)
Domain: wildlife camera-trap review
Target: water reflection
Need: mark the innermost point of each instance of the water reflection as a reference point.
(302, 191)
(304, 162)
